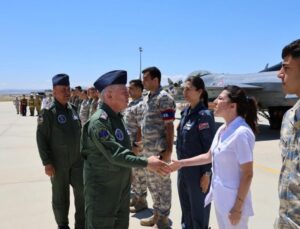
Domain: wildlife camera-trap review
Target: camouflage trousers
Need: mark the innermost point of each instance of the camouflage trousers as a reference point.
(139, 183)
(160, 189)
(284, 222)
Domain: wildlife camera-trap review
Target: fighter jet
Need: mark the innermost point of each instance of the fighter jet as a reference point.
(175, 89)
(264, 86)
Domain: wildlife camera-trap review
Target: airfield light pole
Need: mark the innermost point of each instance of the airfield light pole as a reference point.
(140, 50)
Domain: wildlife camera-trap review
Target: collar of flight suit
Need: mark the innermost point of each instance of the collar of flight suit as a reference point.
(109, 111)
(59, 106)
(189, 111)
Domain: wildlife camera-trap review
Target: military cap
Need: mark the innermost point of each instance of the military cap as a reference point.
(61, 79)
(111, 78)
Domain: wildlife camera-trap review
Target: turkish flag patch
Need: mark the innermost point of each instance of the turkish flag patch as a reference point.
(203, 126)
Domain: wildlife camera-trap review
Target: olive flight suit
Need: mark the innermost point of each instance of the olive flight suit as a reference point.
(105, 146)
(58, 140)
(31, 105)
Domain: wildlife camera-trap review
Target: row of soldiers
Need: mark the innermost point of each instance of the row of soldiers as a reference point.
(33, 104)
(86, 102)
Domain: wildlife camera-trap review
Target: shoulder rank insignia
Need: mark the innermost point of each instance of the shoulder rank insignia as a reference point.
(103, 115)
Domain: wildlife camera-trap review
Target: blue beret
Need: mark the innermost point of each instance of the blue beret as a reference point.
(110, 78)
(61, 79)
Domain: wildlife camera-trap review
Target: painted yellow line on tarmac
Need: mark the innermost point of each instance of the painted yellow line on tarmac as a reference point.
(267, 169)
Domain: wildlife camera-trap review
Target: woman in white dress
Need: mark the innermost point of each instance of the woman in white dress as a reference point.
(231, 154)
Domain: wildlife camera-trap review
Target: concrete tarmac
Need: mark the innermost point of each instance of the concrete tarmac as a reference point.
(25, 191)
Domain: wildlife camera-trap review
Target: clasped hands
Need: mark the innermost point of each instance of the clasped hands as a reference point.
(162, 166)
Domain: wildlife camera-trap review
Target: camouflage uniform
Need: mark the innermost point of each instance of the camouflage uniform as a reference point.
(158, 109)
(289, 180)
(31, 105)
(84, 111)
(93, 107)
(38, 104)
(132, 118)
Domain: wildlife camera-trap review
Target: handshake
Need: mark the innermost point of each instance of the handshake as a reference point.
(162, 167)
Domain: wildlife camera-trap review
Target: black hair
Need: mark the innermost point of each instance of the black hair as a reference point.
(154, 73)
(137, 83)
(79, 88)
(292, 49)
(198, 83)
(84, 91)
(246, 106)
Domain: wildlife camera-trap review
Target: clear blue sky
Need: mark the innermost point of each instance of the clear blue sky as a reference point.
(88, 38)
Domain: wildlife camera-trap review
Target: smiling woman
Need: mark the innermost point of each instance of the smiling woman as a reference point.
(195, 133)
(232, 154)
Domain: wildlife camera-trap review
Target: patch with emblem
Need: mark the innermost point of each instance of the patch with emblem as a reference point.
(61, 119)
(103, 134)
(40, 120)
(103, 115)
(203, 126)
(75, 117)
(119, 134)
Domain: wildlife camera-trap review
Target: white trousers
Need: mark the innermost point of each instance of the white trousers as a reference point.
(224, 222)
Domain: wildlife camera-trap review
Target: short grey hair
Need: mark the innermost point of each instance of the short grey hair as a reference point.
(105, 90)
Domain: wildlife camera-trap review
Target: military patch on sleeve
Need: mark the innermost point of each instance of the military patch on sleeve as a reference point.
(40, 120)
(203, 126)
(168, 114)
(103, 115)
(103, 134)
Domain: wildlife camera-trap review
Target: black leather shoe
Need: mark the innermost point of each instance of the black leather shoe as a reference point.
(63, 227)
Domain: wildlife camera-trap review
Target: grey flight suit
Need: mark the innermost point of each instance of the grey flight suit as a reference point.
(105, 146)
(58, 139)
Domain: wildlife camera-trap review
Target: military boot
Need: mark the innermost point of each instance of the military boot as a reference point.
(151, 221)
(140, 205)
(63, 227)
(162, 223)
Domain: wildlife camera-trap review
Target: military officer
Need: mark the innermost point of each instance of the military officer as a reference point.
(38, 103)
(195, 133)
(157, 136)
(133, 117)
(23, 105)
(108, 159)
(31, 105)
(58, 140)
(17, 104)
(289, 182)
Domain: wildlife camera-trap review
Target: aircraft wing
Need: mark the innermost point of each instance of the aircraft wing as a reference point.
(241, 85)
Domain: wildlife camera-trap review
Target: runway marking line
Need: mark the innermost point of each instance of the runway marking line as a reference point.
(267, 169)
